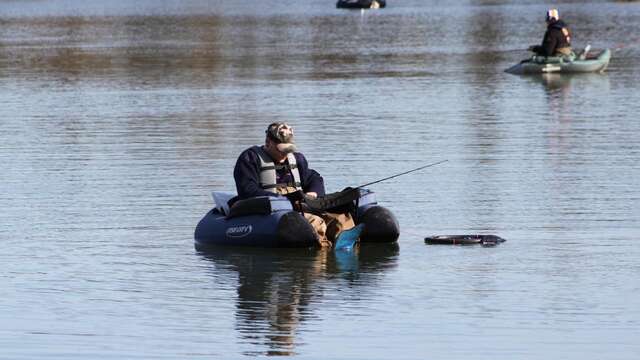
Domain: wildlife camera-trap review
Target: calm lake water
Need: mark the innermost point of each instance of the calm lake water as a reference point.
(118, 118)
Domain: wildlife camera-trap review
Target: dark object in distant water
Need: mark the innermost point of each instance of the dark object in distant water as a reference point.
(361, 4)
(486, 240)
(267, 221)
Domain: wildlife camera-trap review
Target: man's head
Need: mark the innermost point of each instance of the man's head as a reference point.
(281, 136)
(552, 15)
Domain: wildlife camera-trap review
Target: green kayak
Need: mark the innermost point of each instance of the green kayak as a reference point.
(581, 64)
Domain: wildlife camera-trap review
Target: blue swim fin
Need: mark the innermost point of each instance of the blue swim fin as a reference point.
(347, 239)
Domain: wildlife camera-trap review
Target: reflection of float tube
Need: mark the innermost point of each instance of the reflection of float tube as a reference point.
(463, 240)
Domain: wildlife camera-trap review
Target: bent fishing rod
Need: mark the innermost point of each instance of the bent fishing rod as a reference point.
(402, 173)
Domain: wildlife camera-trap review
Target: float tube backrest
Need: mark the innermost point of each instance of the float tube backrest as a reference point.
(221, 200)
(260, 205)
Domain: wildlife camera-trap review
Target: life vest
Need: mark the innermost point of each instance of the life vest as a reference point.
(564, 30)
(268, 176)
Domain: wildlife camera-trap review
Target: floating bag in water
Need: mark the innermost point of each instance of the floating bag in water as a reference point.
(338, 202)
(486, 240)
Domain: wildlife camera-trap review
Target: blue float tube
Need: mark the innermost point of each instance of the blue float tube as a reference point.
(268, 221)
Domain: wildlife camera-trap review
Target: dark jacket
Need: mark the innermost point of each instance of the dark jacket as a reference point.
(247, 175)
(557, 36)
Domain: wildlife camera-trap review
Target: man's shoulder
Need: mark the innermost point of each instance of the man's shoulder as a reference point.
(299, 156)
(557, 26)
(251, 153)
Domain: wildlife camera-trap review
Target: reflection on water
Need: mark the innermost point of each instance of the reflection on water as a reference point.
(583, 82)
(561, 91)
(277, 287)
(119, 117)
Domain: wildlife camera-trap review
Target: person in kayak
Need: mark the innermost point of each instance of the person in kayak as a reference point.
(275, 168)
(557, 38)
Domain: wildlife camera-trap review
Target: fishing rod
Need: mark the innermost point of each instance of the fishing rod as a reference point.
(403, 173)
(350, 194)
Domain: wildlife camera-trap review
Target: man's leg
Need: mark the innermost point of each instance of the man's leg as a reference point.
(336, 223)
(315, 221)
(320, 226)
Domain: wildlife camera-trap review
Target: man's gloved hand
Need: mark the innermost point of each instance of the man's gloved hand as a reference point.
(348, 189)
(350, 194)
(296, 196)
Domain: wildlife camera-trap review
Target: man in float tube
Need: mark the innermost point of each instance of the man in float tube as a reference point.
(275, 168)
(557, 38)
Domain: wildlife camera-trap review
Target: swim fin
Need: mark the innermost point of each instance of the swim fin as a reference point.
(347, 239)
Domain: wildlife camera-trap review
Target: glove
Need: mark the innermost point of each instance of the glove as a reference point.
(348, 189)
(342, 201)
(296, 196)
